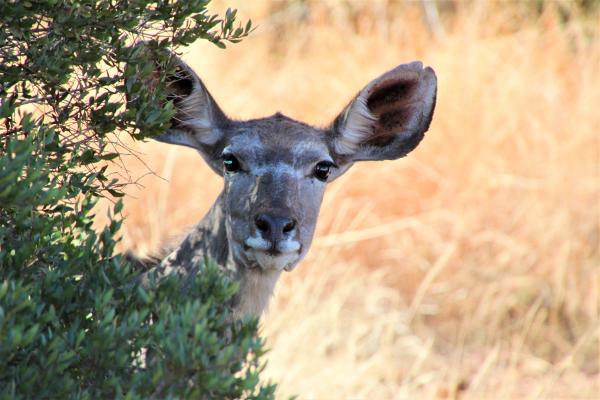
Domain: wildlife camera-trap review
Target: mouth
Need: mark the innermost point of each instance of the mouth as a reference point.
(281, 256)
(272, 251)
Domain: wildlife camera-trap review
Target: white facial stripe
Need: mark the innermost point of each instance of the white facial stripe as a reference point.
(300, 148)
(245, 142)
(301, 151)
(279, 168)
(316, 150)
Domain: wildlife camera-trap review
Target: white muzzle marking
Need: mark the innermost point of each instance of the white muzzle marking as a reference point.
(287, 256)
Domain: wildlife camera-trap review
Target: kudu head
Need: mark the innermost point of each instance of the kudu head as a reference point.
(276, 169)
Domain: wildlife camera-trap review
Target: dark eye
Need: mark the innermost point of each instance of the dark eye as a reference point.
(323, 169)
(230, 163)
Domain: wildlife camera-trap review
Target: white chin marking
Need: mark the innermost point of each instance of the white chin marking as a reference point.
(286, 258)
(278, 262)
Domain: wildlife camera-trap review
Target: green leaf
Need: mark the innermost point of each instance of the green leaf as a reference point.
(115, 193)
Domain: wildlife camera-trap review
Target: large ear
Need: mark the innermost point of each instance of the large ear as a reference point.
(198, 121)
(388, 118)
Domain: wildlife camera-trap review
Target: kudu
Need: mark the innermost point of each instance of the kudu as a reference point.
(275, 171)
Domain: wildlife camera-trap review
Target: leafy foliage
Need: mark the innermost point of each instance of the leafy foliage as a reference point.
(75, 322)
(75, 61)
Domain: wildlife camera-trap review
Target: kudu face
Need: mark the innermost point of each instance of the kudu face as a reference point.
(272, 191)
(276, 169)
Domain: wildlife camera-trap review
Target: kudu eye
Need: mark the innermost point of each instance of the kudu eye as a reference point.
(323, 169)
(230, 163)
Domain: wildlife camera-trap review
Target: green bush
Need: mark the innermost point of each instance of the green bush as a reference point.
(74, 320)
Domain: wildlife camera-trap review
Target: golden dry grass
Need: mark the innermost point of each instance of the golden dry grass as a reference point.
(469, 269)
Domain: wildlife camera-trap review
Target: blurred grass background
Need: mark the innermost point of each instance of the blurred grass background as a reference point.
(469, 269)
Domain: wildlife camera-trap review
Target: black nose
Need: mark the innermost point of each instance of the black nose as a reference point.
(273, 227)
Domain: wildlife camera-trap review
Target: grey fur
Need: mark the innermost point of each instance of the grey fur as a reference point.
(277, 156)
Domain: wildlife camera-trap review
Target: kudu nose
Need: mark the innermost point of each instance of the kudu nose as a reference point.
(273, 227)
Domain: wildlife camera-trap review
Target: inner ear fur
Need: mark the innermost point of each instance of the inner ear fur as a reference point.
(198, 121)
(196, 109)
(180, 84)
(388, 118)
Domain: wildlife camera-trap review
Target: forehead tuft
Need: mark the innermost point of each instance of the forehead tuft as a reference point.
(279, 133)
(279, 128)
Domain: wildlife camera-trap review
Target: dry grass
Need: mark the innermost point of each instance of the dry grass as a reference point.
(469, 269)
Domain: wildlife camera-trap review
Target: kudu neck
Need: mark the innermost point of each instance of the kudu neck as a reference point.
(209, 239)
(210, 235)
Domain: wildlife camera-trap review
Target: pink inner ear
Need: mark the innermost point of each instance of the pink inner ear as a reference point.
(393, 103)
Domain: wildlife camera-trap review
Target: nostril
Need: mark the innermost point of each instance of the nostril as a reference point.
(289, 226)
(262, 224)
(273, 227)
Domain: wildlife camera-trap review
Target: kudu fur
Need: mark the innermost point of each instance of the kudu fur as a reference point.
(275, 171)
